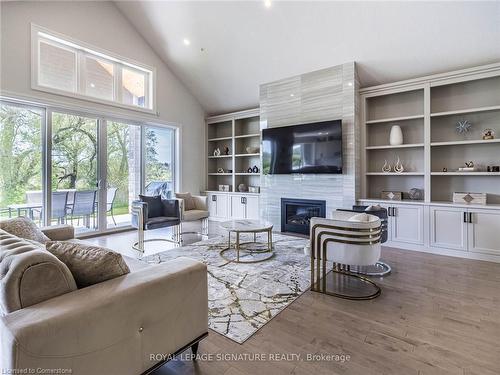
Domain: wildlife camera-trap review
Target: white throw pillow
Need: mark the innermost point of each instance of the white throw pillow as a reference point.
(25, 228)
(364, 218)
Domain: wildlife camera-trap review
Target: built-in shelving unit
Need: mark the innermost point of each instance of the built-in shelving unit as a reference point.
(237, 131)
(428, 110)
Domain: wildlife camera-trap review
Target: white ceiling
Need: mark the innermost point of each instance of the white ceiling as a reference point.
(246, 44)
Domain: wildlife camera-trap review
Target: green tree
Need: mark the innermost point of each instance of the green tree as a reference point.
(20, 153)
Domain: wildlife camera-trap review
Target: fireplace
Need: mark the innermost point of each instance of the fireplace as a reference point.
(296, 214)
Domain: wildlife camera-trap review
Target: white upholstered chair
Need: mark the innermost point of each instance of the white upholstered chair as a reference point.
(348, 238)
(194, 208)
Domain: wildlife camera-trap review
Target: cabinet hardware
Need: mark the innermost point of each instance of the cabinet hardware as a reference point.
(470, 217)
(214, 198)
(389, 211)
(394, 211)
(465, 217)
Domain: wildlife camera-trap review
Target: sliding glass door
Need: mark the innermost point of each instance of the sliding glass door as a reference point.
(57, 166)
(21, 161)
(123, 171)
(74, 173)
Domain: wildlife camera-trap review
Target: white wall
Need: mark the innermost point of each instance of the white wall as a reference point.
(101, 24)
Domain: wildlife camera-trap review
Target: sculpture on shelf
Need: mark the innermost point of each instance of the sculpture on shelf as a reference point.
(398, 167)
(387, 167)
(469, 167)
(217, 152)
(220, 170)
(463, 126)
(396, 136)
(226, 150)
(242, 188)
(255, 169)
(416, 194)
(488, 134)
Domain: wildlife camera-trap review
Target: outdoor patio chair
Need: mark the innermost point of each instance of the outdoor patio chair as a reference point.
(84, 206)
(110, 200)
(59, 207)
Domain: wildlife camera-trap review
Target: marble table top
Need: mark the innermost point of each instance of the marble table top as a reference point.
(246, 225)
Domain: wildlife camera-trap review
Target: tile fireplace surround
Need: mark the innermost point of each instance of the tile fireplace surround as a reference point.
(322, 95)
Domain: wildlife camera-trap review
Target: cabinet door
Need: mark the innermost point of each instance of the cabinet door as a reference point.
(222, 205)
(448, 228)
(483, 231)
(407, 224)
(237, 207)
(252, 206)
(212, 205)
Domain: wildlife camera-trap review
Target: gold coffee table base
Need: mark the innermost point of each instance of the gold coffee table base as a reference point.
(238, 248)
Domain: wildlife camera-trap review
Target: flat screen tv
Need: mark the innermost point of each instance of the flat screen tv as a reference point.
(305, 148)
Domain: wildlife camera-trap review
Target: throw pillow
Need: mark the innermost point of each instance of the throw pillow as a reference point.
(188, 201)
(25, 228)
(155, 207)
(88, 264)
(361, 218)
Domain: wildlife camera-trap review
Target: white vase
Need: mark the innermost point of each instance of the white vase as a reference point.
(396, 136)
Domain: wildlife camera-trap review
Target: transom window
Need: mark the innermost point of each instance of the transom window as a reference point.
(70, 68)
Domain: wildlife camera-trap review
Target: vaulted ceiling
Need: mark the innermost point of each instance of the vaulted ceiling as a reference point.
(236, 46)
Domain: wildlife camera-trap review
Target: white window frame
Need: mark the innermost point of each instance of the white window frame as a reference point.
(82, 50)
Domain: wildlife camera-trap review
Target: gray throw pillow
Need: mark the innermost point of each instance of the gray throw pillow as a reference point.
(88, 264)
(25, 228)
(155, 207)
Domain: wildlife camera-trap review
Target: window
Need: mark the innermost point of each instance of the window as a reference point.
(21, 159)
(71, 68)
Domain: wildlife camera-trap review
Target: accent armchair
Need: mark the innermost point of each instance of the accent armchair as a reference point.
(348, 238)
(153, 212)
(194, 208)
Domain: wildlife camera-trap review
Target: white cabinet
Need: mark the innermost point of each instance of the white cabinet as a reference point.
(466, 229)
(238, 207)
(448, 227)
(233, 206)
(407, 224)
(252, 205)
(244, 207)
(218, 205)
(483, 231)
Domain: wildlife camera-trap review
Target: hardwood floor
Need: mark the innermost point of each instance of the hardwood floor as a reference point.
(436, 315)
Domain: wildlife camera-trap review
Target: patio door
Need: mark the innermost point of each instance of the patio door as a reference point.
(123, 172)
(75, 153)
(21, 160)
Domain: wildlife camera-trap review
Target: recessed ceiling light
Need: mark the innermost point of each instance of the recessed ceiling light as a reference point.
(92, 85)
(292, 94)
(349, 83)
(186, 42)
(267, 3)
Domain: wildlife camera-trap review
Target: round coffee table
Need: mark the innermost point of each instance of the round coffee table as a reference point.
(247, 226)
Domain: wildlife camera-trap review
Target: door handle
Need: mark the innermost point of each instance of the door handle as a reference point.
(465, 217)
(470, 217)
(394, 211)
(389, 211)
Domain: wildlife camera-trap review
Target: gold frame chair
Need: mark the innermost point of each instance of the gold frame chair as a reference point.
(343, 235)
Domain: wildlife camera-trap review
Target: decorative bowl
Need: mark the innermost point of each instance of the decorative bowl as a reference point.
(253, 149)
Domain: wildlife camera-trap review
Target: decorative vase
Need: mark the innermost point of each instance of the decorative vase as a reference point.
(398, 167)
(242, 187)
(396, 136)
(255, 169)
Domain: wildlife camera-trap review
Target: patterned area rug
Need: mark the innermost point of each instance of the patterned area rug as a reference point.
(244, 297)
